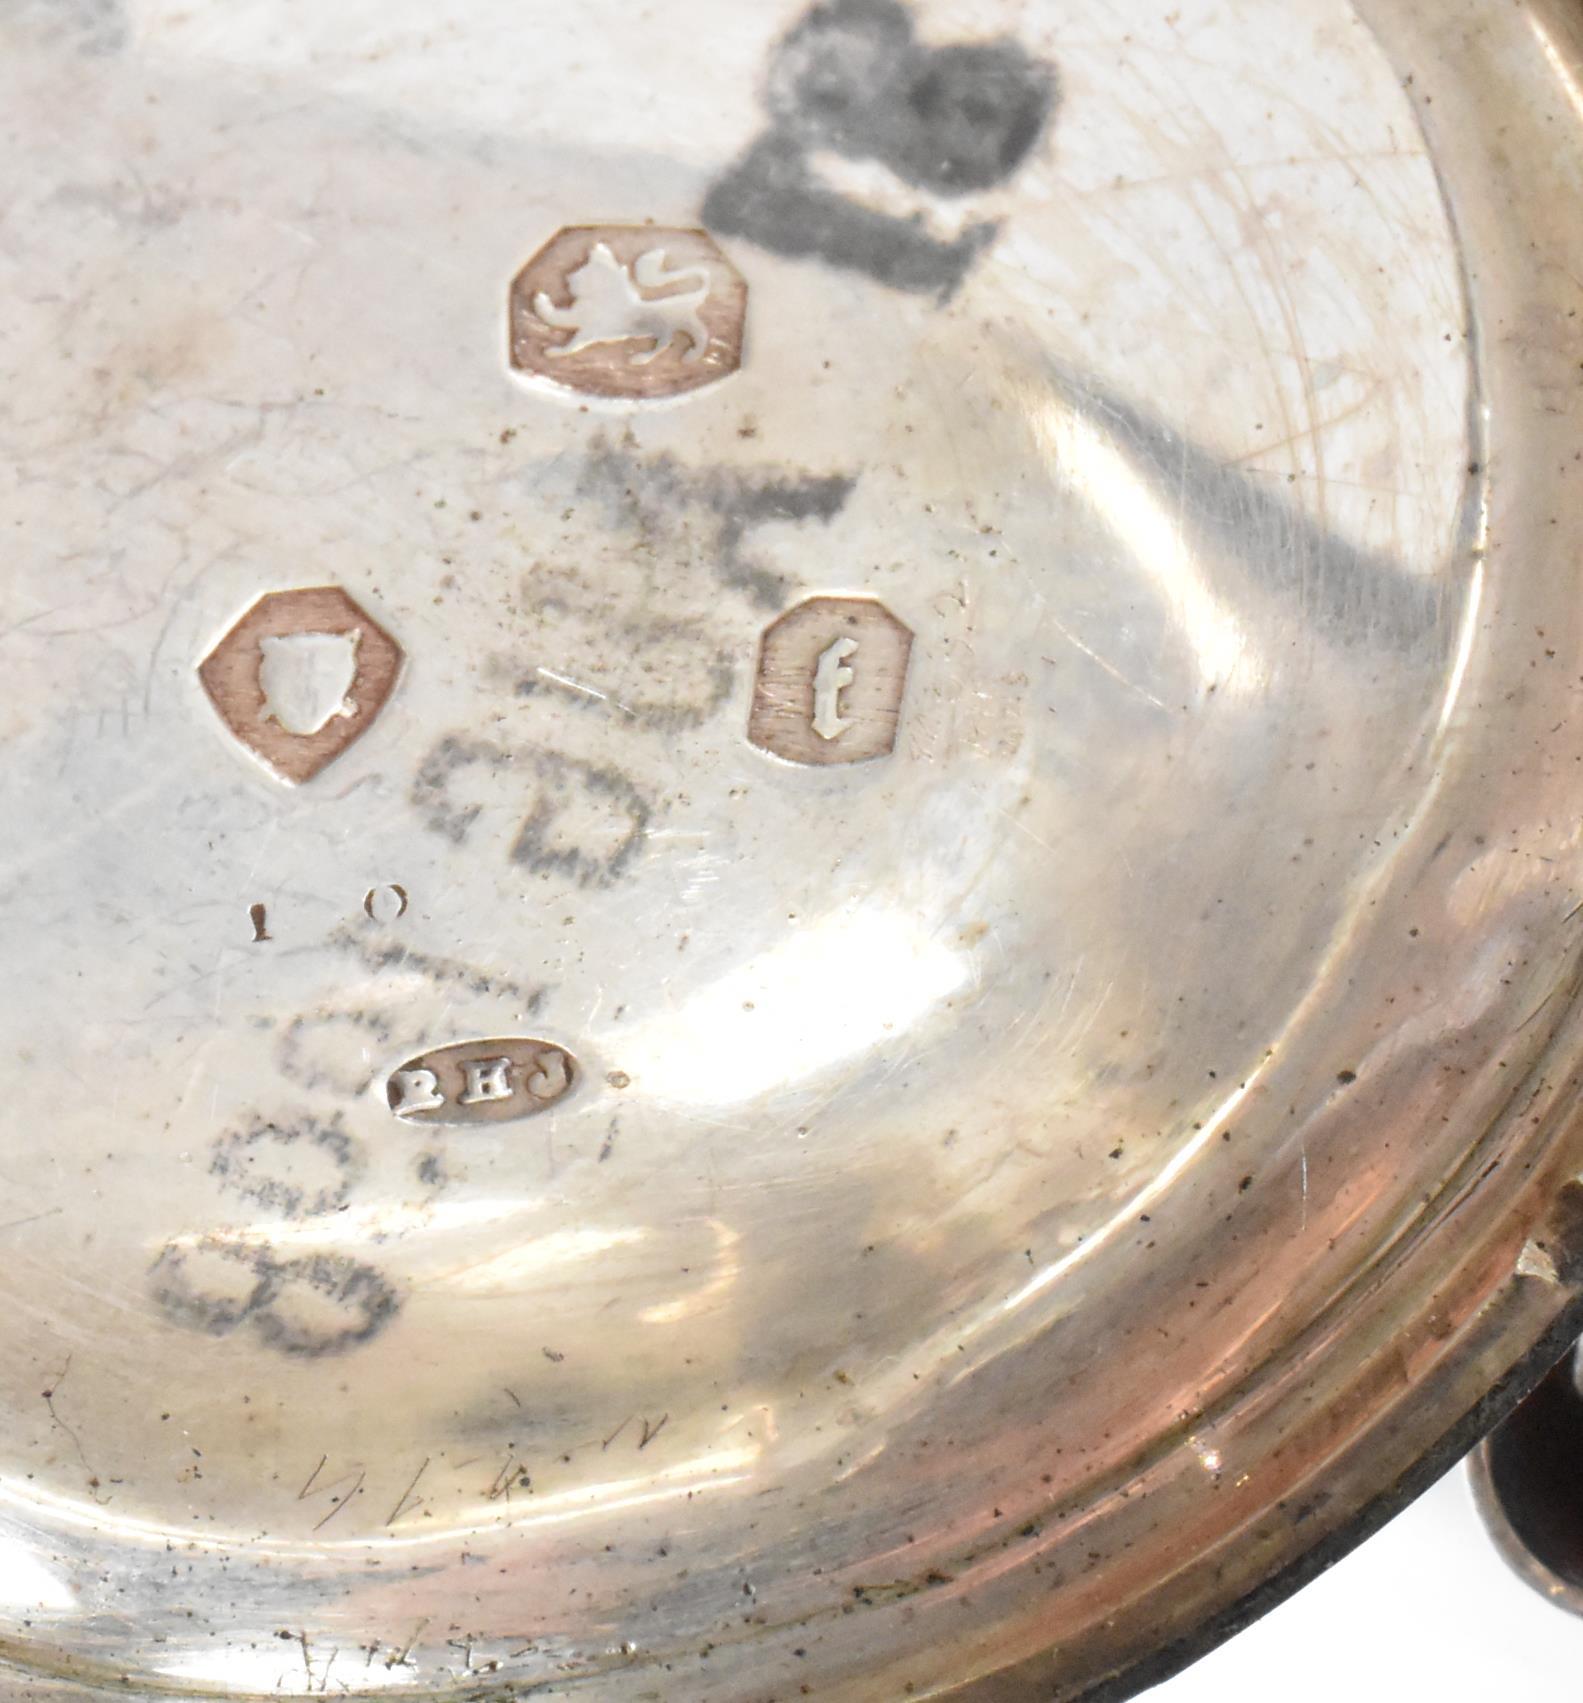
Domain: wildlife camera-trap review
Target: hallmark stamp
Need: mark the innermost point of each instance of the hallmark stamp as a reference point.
(832, 675)
(301, 677)
(476, 1082)
(628, 311)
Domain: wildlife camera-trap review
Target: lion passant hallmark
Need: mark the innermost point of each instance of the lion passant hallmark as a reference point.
(635, 312)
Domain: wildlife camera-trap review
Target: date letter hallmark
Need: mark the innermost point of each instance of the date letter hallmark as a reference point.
(628, 311)
(301, 677)
(832, 675)
(831, 680)
(477, 1082)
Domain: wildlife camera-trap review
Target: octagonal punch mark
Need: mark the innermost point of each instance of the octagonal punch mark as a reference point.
(301, 678)
(832, 675)
(634, 312)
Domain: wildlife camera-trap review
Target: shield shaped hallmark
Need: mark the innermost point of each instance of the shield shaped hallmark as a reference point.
(301, 677)
(307, 678)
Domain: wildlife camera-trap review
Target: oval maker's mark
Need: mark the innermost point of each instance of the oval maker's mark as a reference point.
(477, 1082)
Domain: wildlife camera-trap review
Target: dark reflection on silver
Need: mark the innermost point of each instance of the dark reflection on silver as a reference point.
(1268, 557)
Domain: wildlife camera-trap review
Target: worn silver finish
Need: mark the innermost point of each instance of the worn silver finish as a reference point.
(1019, 1193)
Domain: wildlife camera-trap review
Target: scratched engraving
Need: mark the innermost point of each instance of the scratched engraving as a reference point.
(300, 1167)
(473, 1082)
(852, 82)
(584, 821)
(310, 1308)
(635, 312)
(656, 673)
(301, 677)
(832, 676)
(329, 1051)
(714, 514)
(587, 822)
(381, 954)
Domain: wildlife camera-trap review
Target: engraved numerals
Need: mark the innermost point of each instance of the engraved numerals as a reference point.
(853, 82)
(628, 311)
(832, 675)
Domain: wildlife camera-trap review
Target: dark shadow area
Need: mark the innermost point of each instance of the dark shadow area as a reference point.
(1534, 1464)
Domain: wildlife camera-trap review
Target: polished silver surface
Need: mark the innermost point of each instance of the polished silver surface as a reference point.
(946, 639)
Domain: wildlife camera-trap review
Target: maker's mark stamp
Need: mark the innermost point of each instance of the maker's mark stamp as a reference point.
(301, 677)
(476, 1082)
(832, 675)
(628, 311)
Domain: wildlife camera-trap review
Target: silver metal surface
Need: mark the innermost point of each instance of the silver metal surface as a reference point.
(946, 639)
